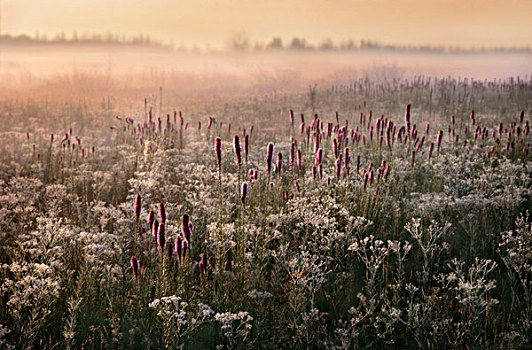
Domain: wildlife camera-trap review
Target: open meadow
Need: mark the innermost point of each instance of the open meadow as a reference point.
(381, 209)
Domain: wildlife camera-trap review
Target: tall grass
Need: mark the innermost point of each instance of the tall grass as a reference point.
(388, 227)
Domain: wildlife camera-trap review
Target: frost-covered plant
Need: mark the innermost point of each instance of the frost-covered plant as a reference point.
(428, 240)
(378, 314)
(330, 250)
(236, 328)
(32, 289)
(179, 319)
(372, 252)
(515, 250)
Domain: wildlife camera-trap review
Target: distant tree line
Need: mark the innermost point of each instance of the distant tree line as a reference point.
(92, 39)
(241, 42)
(301, 44)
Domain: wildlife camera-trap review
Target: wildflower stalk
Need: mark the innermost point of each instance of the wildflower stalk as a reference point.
(218, 151)
(242, 236)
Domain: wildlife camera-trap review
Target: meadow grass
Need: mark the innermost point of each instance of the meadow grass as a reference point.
(398, 219)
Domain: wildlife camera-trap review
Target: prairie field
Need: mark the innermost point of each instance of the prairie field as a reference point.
(222, 201)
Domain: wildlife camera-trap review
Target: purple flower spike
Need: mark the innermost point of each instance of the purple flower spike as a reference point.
(162, 213)
(269, 157)
(161, 239)
(236, 149)
(244, 192)
(135, 266)
(137, 207)
(218, 150)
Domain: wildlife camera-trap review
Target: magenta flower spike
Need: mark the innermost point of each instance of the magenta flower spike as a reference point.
(169, 248)
(291, 117)
(185, 229)
(407, 117)
(155, 229)
(338, 168)
(135, 266)
(161, 238)
(162, 213)
(237, 150)
(150, 218)
(269, 157)
(292, 154)
(298, 159)
(243, 192)
(347, 156)
(137, 207)
(246, 147)
(279, 164)
(184, 248)
(218, 150)
(386, 172)
(178, 246)
(319, 156)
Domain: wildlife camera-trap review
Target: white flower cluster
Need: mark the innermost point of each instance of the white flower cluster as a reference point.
(235, 326)
(174, 309)
(255, 294)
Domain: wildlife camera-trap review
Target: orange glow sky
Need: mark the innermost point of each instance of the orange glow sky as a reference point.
(468, 23)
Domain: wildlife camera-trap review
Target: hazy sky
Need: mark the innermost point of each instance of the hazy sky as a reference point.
(448, 22)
